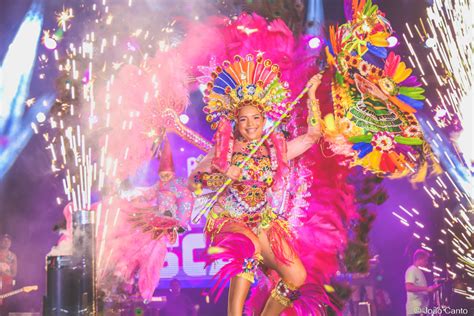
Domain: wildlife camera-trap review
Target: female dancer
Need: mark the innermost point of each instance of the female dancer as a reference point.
(244, 224)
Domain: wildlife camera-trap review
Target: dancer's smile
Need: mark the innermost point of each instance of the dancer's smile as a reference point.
(250, 123)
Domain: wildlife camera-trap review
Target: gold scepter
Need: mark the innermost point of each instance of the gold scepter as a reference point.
(211, 202)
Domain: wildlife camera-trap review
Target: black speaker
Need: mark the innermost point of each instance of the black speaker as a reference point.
(71, 279)
(61, 291)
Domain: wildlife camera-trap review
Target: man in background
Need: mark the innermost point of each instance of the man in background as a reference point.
(416, 285)
(177, 303)
(8, 267)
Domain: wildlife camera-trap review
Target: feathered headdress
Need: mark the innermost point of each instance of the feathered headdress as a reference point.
(245, 81)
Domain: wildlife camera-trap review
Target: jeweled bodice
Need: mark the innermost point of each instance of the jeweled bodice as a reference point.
(249, 194)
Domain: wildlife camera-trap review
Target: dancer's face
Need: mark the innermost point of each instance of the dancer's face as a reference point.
(250, 123)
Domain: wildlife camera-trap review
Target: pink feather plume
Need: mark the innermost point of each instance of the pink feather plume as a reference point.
(235, 248)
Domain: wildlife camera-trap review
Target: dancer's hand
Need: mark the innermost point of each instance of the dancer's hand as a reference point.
(314, 83)
(234, 173)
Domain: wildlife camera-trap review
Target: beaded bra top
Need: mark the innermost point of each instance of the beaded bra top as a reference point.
(249, 195)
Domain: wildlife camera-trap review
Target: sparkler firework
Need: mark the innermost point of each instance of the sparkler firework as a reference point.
(448, 36)
(98, 134)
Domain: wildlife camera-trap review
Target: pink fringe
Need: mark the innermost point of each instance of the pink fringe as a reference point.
(278, 236)
(311, 301)
(259, 295)
(131, 250)
(279, 142)
(235, 247)
(224, 140)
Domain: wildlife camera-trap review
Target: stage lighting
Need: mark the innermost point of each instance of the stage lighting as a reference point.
(314, 43)
(17, 64)
(40, 117)
(184, 118)
(86, 77)
(392, 41)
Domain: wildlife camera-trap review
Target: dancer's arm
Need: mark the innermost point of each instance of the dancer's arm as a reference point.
(304, 142)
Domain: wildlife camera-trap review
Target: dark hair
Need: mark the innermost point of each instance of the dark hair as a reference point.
(6, 236)
(420, 253)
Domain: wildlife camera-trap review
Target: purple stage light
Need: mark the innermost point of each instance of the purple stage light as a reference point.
(86, 77)
(184, 118)
(40, 117)
(314, 43)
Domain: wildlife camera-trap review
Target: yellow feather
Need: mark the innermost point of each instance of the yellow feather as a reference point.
(379, 39)
(329, 122)
(214, 250)
(374, 160)
(401, 73)
(421, 174)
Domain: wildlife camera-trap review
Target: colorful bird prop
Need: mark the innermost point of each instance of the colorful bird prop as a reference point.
(375, 96)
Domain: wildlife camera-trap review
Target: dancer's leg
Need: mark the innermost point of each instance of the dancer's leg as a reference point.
(293, 275)
(239, 285)
(238, 291)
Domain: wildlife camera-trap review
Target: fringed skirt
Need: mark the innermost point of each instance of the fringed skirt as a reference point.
(276, 228)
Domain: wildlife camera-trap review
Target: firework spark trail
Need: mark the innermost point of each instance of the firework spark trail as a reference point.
(83, 173)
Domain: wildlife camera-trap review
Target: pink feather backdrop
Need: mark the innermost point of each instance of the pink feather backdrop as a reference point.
(321, 231)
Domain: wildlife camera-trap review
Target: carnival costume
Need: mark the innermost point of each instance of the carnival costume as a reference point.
(385, 126)
(137, 224)
(148, 225)
(256, 202)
